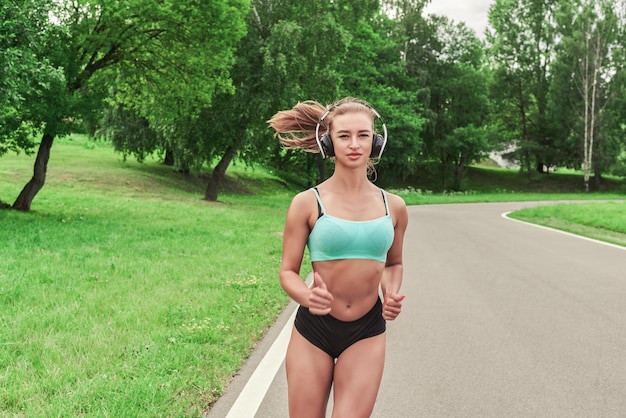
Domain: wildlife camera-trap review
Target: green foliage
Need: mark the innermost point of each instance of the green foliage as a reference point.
(24, 74)
(192, 42)
(522, 45)
(291, 51)
(131, 134)
(456, 99)
(372, 72)
(589, 73)
(542, 51)
(196, 81)
(17, 134)
(195, 44)
(164, 62)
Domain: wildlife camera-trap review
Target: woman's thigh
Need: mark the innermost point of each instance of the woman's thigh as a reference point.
(309, 378)
(357, 376)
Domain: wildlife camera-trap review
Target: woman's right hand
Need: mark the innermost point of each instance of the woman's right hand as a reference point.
(320, 298)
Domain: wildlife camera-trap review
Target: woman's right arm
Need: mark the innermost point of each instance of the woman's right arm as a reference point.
(295, 235)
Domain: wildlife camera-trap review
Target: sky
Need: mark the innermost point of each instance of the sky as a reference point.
(472, 12)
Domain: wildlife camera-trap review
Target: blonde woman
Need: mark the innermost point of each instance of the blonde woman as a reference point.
(354, 232)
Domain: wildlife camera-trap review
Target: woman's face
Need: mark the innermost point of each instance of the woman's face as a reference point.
(352, 135)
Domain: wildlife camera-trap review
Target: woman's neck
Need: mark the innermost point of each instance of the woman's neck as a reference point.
(349, 180)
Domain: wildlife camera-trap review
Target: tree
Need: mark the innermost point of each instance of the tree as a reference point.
(23, 73)
(173, 49)
(290, 51)
(296, 51)
(591, 58)
(521, 45)
(457, 99)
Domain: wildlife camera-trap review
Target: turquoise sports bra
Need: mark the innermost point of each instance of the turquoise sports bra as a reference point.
(336, 239)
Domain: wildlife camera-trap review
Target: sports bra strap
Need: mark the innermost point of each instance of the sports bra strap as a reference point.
(320, 206)
(386, 203)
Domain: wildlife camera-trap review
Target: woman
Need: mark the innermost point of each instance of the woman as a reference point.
(354, 232)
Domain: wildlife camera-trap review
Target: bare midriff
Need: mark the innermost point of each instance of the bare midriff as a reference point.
(353, 283)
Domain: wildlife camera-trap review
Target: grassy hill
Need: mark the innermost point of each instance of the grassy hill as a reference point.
(490, 179)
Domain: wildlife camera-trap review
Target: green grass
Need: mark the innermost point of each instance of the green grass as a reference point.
(413, 197)
(604, 221)
(123, 293)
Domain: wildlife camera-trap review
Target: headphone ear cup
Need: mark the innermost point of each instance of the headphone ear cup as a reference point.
(327, 146)
(378, 144)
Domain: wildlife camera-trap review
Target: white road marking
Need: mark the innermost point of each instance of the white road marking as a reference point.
(619, 247)
(251, 397)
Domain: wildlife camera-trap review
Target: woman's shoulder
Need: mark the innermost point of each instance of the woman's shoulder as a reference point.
(397, 207)
(303, 200)
(305, 195)
(394, 199)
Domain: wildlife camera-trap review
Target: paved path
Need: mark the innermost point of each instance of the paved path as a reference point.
(501, 319)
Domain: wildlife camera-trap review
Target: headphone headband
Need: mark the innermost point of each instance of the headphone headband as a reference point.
(325, 144)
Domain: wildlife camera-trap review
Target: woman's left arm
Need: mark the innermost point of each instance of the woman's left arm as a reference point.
(392, 275)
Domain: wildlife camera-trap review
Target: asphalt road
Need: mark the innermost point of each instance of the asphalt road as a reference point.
(501, 319)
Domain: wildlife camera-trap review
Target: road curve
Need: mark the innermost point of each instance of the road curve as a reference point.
(501, 319)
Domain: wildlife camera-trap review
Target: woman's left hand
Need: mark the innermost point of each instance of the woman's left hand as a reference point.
(392, 306)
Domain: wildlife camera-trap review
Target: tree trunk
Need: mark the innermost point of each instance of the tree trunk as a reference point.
(25, 199)
(460, 171)
(597, 160)
(525, 137)
(444, 177)
(169, 157)
(218, 175)
(541, 167)
(597, 178)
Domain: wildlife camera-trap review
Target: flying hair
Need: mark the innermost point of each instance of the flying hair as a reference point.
(295, 128)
